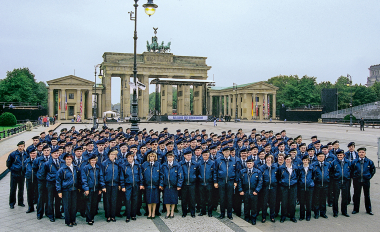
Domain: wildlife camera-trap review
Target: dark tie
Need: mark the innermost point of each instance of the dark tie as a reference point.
(352, 156)
(170, 166)
(320, 164)
(188, 164)
(244, 164)
(250, 172)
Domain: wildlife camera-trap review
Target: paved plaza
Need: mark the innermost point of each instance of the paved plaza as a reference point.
(17, 220)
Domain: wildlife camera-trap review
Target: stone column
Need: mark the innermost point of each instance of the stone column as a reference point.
(99, 102)
(254, 106)
(239, 104)
(274, 106)
(198, 99)
(107, 92)
(210, 105)
(77, 104)
(145, 81)
(163, 94)
(234, 97)
(169, 97)
(179, 100)
(51, 102)
(63, 99)
(89, 104)
(186, 99)
(266, 106)
(260, 106)
(126, 95)
(244, 106)
(225, 105)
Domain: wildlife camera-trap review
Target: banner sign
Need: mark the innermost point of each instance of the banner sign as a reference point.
(188, 117)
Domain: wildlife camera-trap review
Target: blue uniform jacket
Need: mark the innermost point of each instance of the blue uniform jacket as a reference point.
(66, 180)
(15, 162)
(129, 175)
(347, 155)
(206, 172)
(150, 175)
(111, 173)
(173, 177)
(340, 172)
(28, 170)
(49, 170)
(224, 172)
(269, 179)
(37, 165)
(250, 184)
(306, 180)
(330, 159)
(322, 175)
(363, 171)
(92, 178)
(285, 178)
(189, 173)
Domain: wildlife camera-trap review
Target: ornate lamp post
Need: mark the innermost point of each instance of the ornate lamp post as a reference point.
(96, 97)
(150, 9)
(349, 84)
(234, 87)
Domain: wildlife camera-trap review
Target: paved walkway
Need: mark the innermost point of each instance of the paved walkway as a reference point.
(17, 220)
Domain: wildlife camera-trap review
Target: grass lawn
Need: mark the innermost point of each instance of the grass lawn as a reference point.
(2, 128)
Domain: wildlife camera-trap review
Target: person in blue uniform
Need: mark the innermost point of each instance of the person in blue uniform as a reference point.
(225, 179)
(363, 169)
(205, 180)
(288, 178)
(190, 171)
(79, 162)
(130, 184)
(305, 187)
(321, 171)
(171, 179)
(49, 171)
(31, 179)
(112, 172)
(15, 162)
(67, 188)
(269, 188)
(351, 155)
(93, 185)
(341, 172)
(38, 165)
(249, 185)
(150, 171)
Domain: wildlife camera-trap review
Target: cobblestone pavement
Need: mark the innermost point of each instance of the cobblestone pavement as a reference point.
(17, 220)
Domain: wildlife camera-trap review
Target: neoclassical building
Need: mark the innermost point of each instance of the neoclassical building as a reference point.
(252, 101)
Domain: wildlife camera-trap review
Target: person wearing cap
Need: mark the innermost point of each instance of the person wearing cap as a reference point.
(329, 158)
(67, 183)
(31, 180)
(42, 190)
(226, 179)
(15, 163)
(190, 171)
(363, 169)
(288, 178)
(280, 162)
(312, 156)
(92, 180)
(261, 159)
(350, 155)
(171, 179)
(36, 140)
(321, 170)
(341, 172)
(305, 187)
(249, 185)
(205, 180)
(269, 188)
(150, 182)
(79, 162)
(301, 150)
(112, 179)
(314, 138)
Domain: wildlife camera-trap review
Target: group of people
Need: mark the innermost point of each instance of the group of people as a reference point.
(73, 171)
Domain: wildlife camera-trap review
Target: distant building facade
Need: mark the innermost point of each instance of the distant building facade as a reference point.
(374, 75)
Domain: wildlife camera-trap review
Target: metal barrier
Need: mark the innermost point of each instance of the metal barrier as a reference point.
(13, 131)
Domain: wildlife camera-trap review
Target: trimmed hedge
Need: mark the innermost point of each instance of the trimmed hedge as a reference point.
(347, 117)
(7, 119)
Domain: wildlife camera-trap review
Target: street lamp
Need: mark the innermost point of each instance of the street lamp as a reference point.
(150, 8)
(96, 97)
(234, 87)
(349, 84)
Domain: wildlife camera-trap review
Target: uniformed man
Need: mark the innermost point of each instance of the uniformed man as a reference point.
(205, 179)
(31, 179)
(190, 172)
(321, 180)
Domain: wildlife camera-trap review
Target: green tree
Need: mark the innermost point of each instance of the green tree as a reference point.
(20, 86)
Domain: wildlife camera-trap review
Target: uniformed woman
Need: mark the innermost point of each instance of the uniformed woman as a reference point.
(67, 188)
(111, 172)
(269, 190)
(93, 185)
(150, 182)
(306, 187)
(171, 179)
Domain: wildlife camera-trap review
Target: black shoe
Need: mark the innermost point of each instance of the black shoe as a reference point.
(113, 220)
(301, 218)
(221, 216)
(30, 210)
(324, 216)
(52, 219)
(273, 220)
(148, 217)
(230, 217)
(183, 215)
(254, 222)
(193, 215)
(108, 219)
(335, 215)
(210, 215)
(307, 219)
(21, 205)
(370, 213)
(316, 216)
(329, 205)
(200, 214)
(60, 217)
(74, 223)
(133, 219)
(282, 219)
(263, 220)
(90, 223)
(12, 206)
(293, 220)
(166, 217)
(39, 218)
(345, 214)
(70, 225)
(127, 220)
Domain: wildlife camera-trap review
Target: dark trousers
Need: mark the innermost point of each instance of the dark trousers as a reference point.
(349, 192)
(53, 201)
(362, 127)
(320, 195)
(338, 187)
(226, 191)
(120, 201)
(31, 191)
(289, 198)
(306, 201)
(17, 181)
(42, 199)
(269, 197)
(81, 203)
(357, 193)
(109, 201)
(91, 206)
(236, 204)
(69, 199)
(250, 205)
(278, 200)
(330, 192)
(131, 200)
(205, 198)
(188, 199)
(215, 197)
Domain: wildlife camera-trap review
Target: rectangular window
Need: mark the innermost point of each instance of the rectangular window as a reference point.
(71, 96)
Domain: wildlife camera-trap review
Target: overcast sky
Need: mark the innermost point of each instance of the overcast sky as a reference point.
(244, 40)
